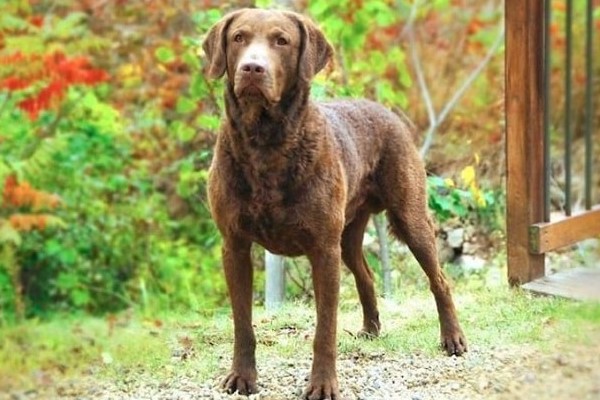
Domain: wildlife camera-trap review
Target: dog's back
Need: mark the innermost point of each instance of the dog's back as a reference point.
(372, 140)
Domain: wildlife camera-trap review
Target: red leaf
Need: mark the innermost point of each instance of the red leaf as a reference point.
(31, 107)
(52, 93)
(37, 20)
(15, 83)
(57, 68)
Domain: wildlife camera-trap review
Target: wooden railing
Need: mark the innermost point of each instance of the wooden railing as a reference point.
(530, 231)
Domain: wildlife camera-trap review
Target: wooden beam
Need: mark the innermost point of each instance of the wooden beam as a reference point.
(574, 283)
(524, 135)
(548, 236)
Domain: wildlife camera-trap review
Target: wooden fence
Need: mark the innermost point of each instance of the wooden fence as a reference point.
(531, 232)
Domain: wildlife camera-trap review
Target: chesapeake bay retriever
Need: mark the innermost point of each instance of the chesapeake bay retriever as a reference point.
(302, 178)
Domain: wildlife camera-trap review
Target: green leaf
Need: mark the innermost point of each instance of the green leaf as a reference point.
(28, 44)
(80, 297)
(318, 8)
(405, 79)
(67, 281)
(190, 57)
(198, 88)
(182, 131)
(208, 122)
(12, 23)
(55, 222)
(441, 4)
(263, 3)
(71, 26)
(164, 54)
(185, 105)
(8, 234)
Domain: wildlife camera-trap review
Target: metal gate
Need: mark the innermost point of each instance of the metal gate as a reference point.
(531, 232)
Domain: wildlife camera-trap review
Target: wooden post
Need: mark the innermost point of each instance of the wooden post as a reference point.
(524, 135)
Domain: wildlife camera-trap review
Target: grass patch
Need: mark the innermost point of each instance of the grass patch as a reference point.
(122, 347)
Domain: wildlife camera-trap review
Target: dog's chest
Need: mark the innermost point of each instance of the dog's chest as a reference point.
(270, 213)
(274, 226)
(267, 207)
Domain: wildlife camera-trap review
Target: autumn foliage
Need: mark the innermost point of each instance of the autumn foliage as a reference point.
(20, 195)
(46, 78)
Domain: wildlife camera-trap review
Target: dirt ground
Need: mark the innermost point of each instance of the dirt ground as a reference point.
(492, 373)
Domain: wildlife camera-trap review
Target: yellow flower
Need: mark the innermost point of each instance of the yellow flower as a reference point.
(478, 196)
(468, 175)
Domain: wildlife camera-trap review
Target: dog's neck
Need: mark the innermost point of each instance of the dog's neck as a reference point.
(262, 124)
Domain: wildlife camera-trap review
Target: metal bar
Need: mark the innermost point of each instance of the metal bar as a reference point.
(568, 95)
(547, 98)
(589, 117)
(274, 281)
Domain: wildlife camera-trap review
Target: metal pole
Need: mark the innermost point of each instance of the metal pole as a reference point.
(589, 117)
(274, 281)
(547, 102)
(568, 108)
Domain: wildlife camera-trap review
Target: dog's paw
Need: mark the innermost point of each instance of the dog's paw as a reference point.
(243, 383)
(322, 389)
(365, 334)
(370, 330)
(454, 343)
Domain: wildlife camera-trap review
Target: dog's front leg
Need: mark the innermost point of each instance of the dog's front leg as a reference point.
(326, 280)
(238, 274)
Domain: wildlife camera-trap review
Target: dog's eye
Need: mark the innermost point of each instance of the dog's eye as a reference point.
(238, 38)
(282, 41)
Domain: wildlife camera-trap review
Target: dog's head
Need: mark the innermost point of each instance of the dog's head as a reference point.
(265, 52)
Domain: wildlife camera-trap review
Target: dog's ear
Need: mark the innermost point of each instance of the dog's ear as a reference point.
(215, 46)
(315, 51)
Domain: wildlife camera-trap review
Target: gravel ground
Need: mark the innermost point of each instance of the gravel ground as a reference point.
(500, 373)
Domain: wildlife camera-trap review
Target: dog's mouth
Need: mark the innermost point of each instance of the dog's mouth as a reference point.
(251, 90)
(255, 90)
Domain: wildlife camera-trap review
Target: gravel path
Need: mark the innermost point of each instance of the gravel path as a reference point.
(501, 373)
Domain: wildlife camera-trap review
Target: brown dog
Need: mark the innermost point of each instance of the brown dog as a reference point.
(302, 178)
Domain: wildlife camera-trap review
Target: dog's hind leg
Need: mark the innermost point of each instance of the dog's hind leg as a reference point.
(410, 221)
(418, 233)
(352, 254)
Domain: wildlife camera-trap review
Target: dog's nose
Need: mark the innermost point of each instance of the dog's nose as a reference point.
(253, 68)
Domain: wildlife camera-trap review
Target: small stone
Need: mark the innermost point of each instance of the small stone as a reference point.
(470, 263)
(455, 238)
(529, 378)
(483, 384)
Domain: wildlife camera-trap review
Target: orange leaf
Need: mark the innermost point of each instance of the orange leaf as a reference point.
(474, 26)
(40, 222)
(12, 58)
(559, 6)
(10, 183)
(36, 20)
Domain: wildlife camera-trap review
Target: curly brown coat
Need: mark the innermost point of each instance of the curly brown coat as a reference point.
(302, 178)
